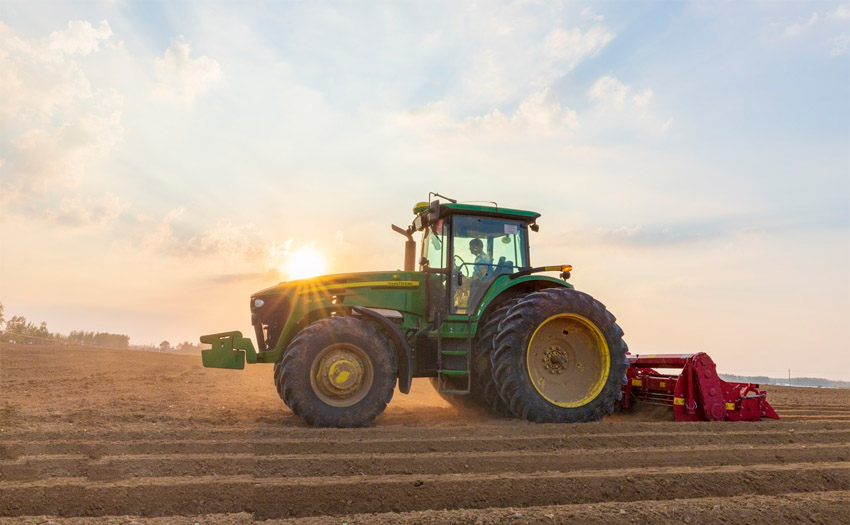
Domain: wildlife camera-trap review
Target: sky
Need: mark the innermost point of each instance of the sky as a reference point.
(161, 161)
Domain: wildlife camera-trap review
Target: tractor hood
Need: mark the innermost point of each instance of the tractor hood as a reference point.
(276, 311)
(339, 281)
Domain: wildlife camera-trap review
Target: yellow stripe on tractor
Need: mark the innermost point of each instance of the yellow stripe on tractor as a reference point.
(369, 284)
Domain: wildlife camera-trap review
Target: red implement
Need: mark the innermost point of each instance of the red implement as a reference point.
(697, 393)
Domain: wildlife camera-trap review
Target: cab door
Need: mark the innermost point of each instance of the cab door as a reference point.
(435, 249)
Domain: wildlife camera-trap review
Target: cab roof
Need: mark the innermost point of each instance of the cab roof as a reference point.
(487, 211)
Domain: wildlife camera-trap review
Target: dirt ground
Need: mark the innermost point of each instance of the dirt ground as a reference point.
(99, 436)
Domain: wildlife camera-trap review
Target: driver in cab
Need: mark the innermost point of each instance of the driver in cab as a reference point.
(483, 261)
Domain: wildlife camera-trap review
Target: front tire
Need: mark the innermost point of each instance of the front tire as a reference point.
(337, 372)
(559, 357)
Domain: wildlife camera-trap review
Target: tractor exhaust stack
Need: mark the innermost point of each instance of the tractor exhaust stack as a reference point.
(697, 393)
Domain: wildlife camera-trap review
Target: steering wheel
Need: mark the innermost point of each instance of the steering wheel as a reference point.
(462, 266)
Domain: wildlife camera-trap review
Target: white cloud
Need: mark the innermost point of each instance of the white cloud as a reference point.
(238, 250)
(542, 111)
(839, 43)
(588, 13)
(81, 211)
(643, 98)
(570, 46)
(842, 12)
(489, 78)
(538, 115)
(56, 123)
(36, 78)
(505, 67)
(609, 91)
(182, 77)
(81, 38)
(237, 247)
(799, 27)
(617, 104)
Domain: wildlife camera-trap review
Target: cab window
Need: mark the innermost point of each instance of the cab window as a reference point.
(483, 248)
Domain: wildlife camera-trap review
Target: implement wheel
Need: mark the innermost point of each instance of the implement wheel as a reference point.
(337, 372)
(559, 357)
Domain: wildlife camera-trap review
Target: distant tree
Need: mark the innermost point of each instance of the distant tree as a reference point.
(17, 324)
(19, 329)
(99, 339)
(186, 346)
(165, 345)
(112, 340)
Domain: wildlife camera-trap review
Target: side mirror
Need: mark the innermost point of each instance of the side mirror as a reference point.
(459, 278)
(434, 212)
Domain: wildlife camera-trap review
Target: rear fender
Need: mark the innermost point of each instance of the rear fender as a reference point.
(504, 287)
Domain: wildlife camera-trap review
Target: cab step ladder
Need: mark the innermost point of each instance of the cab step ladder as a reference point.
(454, 363)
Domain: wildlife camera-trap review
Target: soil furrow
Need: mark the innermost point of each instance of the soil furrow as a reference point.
(816, 507)
(94, 449)
(823, 410)
(473, 430)
(817, 417)
(836, 407)
(271, 498)
(123, 467)
(339, 435)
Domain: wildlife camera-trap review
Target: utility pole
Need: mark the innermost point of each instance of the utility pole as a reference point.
(789, 377)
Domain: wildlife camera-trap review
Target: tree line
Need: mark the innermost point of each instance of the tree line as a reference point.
(19, 330)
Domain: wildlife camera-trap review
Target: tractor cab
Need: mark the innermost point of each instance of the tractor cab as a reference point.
(466, 247)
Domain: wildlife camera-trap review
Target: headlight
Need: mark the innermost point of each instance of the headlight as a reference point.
(258, 303)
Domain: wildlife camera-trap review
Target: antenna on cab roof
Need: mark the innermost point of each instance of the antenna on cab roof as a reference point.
(435, 194)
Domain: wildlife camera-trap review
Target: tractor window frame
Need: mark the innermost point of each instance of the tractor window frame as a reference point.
(436, 292)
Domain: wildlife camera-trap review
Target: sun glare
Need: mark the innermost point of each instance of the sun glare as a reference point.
(306, 262)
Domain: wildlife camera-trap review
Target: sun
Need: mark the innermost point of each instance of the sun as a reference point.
(305, 263)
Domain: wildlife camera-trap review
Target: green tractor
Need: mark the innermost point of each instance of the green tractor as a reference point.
(476, 318)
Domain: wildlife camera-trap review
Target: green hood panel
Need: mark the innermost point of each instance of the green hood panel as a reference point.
(345, 280)
(302, 301)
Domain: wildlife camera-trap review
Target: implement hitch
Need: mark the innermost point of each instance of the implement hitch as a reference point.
(229, 350)
(697, 393)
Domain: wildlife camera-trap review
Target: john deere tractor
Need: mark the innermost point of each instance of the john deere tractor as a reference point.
(477, 318)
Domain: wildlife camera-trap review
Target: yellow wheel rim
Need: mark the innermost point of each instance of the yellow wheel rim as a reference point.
(341, 375)
(568, 360)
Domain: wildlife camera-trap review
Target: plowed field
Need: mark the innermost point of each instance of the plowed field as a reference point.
(97, 436)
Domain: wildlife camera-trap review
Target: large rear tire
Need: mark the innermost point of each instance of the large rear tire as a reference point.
(559, 357)
(482, 350)
(337, 372)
